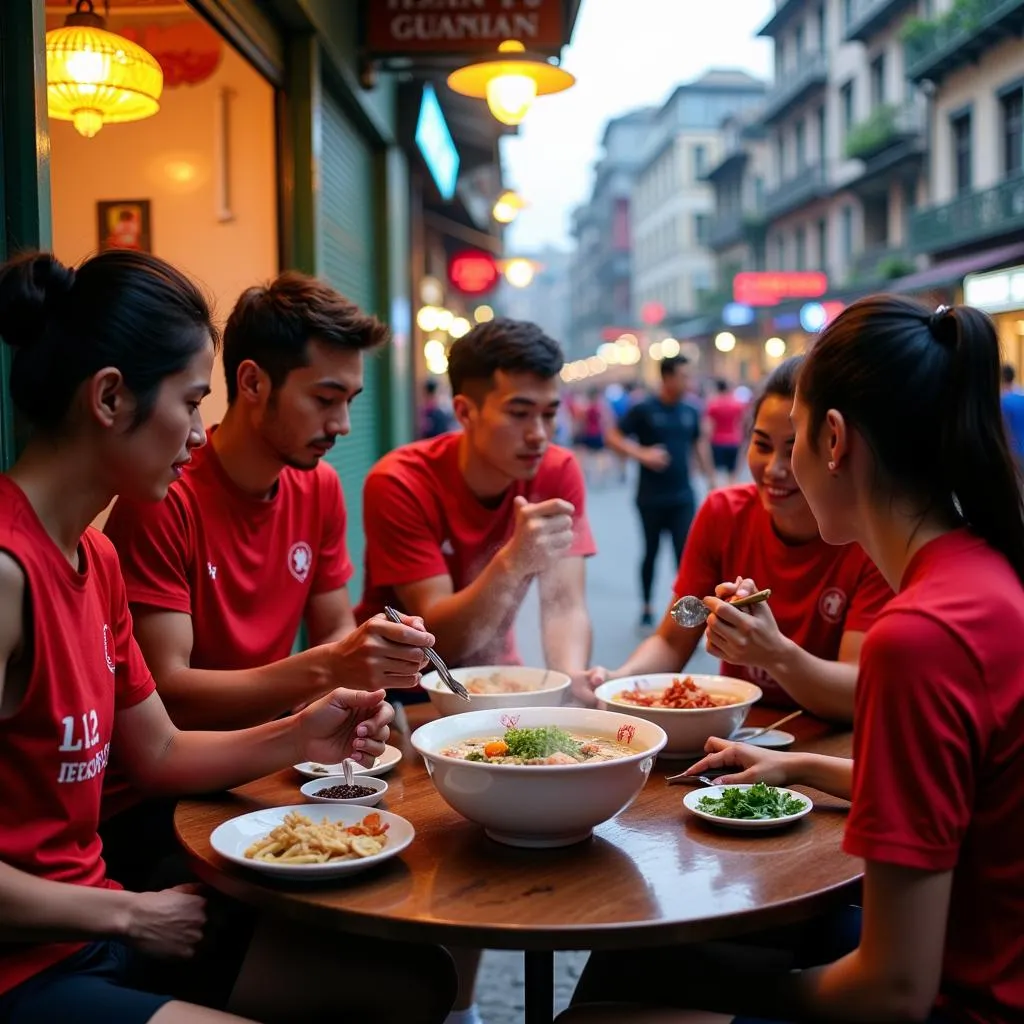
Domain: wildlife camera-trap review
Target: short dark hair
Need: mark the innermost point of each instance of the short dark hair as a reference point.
(670, 364)
(721, 385)
(430, 386)
(515, 346)
(121, 308)
(1009, 373)
(922, 388)
(272, 325)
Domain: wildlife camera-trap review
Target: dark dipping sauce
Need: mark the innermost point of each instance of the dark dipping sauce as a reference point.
(345, 792)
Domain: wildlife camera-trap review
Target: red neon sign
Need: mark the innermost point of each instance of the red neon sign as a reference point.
(768, 288)
(473, 271)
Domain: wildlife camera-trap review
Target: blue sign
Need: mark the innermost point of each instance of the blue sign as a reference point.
(786, 321)
(736, 314)
(436, 144)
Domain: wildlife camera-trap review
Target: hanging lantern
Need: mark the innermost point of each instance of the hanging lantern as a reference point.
(510, 82)
(95, 77)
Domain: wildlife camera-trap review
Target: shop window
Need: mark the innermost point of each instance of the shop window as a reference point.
(1012, 109)
(961, 131)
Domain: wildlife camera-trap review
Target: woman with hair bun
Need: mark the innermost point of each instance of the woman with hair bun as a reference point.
(110, 364)
(901, 447)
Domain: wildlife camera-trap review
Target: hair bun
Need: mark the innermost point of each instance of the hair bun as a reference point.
(31, 285)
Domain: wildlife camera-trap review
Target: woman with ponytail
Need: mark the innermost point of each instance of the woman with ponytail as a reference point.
(901, 448)
(110, 364)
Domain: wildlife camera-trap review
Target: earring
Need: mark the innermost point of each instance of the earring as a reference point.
(831, 467)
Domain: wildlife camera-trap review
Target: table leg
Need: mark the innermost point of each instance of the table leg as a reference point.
(540, 986)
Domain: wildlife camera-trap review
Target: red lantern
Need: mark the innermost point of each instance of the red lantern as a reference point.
(473, 271)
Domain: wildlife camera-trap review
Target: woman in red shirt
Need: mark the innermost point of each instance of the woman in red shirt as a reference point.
(110, 364)
(901, 447)
(725, 411)
(802, 649)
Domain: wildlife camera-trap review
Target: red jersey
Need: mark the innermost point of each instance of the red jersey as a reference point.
(819, 591)
(422, 520)
(726, 415)
(938, 780)
(242, 567)
(54, 748)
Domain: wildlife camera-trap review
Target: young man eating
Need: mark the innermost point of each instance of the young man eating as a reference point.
(458, 526)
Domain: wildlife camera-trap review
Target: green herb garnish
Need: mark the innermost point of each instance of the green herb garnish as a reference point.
(542, 741)
(759, 802)
(475, 755)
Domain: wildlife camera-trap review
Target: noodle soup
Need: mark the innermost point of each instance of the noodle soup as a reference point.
(545, 745)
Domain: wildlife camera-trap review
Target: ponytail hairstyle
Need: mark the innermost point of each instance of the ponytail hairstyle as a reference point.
(923, 390)
(122, 308)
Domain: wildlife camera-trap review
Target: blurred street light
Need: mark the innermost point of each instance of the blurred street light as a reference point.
(669, 348)
(775, 347)
(459, 327)
(725, 341)
(507, 207)
(519, 272)
(483, 314)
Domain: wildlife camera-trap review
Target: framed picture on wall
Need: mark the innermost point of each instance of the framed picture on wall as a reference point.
(124, 224)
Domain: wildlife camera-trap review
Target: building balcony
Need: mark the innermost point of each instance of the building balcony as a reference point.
(869, 17)
(971, 219)
(785, 11)
(886, 127)
(933, 49)
(733, 228)
(882, 263)
(804, 187)
(811, 73)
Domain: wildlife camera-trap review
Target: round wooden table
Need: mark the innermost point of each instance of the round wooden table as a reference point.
(654, 875)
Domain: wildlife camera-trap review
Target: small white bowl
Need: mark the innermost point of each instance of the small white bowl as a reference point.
(555, 689)
(692, 803)
(311, 790)
(687, 729)
(539, 805)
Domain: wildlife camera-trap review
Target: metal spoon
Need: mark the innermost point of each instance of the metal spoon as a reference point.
(346, 767)
(690, 612)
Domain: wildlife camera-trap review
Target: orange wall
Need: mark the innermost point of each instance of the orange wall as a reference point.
(172, 159)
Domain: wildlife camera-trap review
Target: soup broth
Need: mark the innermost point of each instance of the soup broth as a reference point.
(542, 745)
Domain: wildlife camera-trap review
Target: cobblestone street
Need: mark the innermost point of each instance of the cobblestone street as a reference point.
(613, 596)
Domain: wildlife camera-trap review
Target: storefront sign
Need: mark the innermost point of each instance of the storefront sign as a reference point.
(473, 271)
(997, 291)
(395, 27)
(436, 144)
(757, 288)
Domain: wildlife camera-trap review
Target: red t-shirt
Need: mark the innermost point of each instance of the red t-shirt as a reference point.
(55, 747)
(422, 520)
(938, 781)
(726, 415)
(242, 567)
(819, 591)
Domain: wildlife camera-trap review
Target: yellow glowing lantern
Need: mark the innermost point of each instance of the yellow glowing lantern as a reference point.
(510, 82)
(95, 77)
(507, 207)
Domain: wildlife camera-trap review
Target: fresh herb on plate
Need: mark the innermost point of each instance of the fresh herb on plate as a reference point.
(542, 741)
(759, 802)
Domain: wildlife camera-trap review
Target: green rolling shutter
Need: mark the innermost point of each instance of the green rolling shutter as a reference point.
(349, 259)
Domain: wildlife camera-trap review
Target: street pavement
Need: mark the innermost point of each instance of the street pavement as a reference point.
(613, 597)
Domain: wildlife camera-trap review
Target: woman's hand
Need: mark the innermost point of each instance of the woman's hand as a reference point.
(743, 636)
(345, 723)
(584, 684)
(753, 764)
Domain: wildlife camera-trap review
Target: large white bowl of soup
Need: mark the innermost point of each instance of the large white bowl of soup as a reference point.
(498, 686)
(539, 776)
(690, 708)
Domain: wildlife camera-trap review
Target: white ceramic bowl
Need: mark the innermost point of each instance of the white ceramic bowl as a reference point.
(311, 790)
(687, 730)
(539, 805)
(555, 689)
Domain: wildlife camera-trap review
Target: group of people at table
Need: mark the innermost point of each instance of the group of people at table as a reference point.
(154, 659)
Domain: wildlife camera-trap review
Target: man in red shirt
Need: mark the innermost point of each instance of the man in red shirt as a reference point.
(250, 541)
(458, 526)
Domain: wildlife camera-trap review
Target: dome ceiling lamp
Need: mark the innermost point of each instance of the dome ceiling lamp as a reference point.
(510, 82)
(96, 77)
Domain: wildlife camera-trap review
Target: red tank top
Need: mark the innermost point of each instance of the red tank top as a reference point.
(54, 748)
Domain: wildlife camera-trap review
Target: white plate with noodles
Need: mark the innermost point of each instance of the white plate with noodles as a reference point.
(312, 842)
(383, 764)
